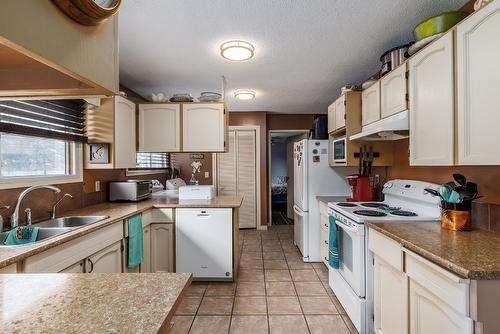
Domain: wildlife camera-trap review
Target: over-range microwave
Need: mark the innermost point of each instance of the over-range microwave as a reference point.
(339, 150)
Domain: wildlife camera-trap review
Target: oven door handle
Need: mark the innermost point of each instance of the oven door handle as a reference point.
(347, 227)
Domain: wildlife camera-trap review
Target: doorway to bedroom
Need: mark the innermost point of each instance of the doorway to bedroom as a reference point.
(280, 158)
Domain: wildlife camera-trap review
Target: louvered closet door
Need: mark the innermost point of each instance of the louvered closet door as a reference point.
(226, 169)
(246, 177)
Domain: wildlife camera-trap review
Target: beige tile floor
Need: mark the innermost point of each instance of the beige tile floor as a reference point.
(276, 293)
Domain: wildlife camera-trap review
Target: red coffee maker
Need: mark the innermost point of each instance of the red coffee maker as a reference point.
(362, 189)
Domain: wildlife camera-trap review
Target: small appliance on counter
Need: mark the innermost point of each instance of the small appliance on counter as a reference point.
(362, 188)
(175, 184)
(156, 186)
(196, 192)
(131, 190)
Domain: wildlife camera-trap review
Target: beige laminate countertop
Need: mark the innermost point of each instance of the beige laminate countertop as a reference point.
(116, 212)
(90, 303)
(473, 254)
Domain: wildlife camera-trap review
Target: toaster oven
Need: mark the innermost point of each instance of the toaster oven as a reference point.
(131, 190)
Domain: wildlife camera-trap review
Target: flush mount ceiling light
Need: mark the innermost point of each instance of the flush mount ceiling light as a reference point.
(237, 50)
(244, 94)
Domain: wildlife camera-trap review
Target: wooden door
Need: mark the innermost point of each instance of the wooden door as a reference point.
(108, 260)
(340, 112)
(370, 104)
(237, 174)
(478, 97)
(203, 127)
(146, 265)
(125, 143)
(432, 104)
(393, 92)
(331, 118)
(159, 128)
(431, 315)
(76, 268)
(390, 307)
(162, 248)
(247, 177)
(226, 168)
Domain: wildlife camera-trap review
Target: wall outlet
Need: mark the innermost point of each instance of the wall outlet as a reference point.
(207, 175)
(97, 186)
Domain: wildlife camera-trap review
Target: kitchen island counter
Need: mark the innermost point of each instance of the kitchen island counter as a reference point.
(90, 303)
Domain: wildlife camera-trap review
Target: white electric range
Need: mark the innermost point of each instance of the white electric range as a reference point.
(405, 201)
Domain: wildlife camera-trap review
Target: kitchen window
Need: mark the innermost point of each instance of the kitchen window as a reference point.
(28, 160)
(150, 163)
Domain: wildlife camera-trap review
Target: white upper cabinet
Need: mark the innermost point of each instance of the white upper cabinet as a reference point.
(431, 93)
(478, 98)
(125, 143)
(370, 104)
(340, 112)
(331, 117)
(159, 127)
(203, 127)
(393, 97)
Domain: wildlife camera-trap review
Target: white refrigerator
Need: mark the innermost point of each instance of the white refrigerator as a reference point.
(312, 176)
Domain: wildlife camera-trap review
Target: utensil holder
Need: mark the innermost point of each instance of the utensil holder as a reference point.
(456, 220)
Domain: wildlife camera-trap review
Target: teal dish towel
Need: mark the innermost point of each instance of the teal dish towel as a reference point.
(22, 235)
(135, 241)
(333, 244)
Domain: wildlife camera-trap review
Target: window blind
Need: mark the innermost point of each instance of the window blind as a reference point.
(152, 160)
(57, 119)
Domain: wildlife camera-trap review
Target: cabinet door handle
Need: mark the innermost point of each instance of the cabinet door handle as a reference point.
(325, 225)
(326, 242)
(91, 266)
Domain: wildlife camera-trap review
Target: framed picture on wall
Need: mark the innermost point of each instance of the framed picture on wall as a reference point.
(98, 153)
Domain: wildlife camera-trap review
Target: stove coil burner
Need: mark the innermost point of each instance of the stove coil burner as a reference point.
(350, 205)
(369, 213)
(404, 213)
(374, 205)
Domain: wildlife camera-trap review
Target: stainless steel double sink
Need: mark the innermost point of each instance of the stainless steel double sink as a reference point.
(55, 227)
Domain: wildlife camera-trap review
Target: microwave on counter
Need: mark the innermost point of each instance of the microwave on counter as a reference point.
(339, 150)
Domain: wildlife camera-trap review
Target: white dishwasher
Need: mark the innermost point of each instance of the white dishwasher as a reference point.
(204, 243)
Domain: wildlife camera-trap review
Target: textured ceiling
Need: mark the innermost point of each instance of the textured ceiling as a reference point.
(305, 50)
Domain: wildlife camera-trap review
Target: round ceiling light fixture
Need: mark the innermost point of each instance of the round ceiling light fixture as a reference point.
(237, 50)
(244, 94)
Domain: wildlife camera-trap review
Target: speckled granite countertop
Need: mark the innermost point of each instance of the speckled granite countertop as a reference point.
(90, 303)
(326, 199)
(474, 254)
(116, 212)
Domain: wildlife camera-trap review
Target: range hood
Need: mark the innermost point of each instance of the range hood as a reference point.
(394, 127)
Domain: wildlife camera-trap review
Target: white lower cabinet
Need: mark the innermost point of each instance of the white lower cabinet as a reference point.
(390, 286)
(431, 315)
(108, 260)
(76, 268)
(325, 229)
(102, 247)
(162, 248)
(146, 265)
(419, 297)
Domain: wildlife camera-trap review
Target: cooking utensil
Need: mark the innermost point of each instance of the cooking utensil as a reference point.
(370, 161)
(438, 24)
(422, 43)
(434, 193)
(360, 160)
(393, 58)
(461, 180)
